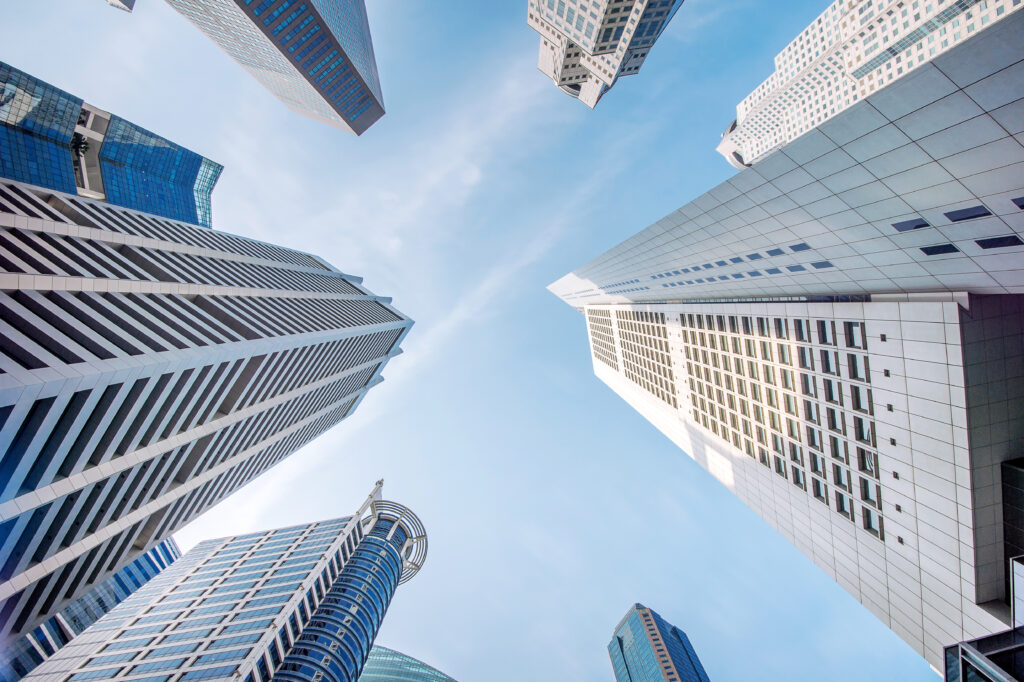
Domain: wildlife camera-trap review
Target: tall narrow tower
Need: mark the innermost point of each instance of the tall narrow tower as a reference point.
(150, 368)
(647, 648)
(298, 604)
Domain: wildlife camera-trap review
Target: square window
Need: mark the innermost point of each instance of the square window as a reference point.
(775, 252)
(800, 247)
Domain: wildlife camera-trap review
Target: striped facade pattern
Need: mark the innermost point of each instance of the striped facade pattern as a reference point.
(149, 368)
(298, 603)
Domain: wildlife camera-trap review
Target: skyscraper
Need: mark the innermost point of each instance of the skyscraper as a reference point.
(315, 56)
(837, 335)
(151, 368)
(387, 665)
(73, 619)
(54, 140)
(586, 46)
(849, 52)
(298, 604)
(647, 648)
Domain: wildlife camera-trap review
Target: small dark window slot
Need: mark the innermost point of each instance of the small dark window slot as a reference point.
(907, 225)
(968, 213)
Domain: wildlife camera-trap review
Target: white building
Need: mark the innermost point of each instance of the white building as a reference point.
(587, 44)
(852, 50)
(837, 335)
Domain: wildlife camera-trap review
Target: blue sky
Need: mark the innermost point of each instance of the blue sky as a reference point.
(550, 505)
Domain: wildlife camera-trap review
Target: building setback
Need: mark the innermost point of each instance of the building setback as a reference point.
(53, 139)
(852, 50)
(315, 56)
(837, 335)
(585, 47)
(647, 648)
(150, 369)
(73, 619)
(300, 604)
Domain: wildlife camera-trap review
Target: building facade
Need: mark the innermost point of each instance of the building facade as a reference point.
(302, 603)
(53, 139)
(586, 46)
(853, 49)
(315, 56)
(647, 648)
(150, 369)
(837, 335)
(73, 619)
(388, 665)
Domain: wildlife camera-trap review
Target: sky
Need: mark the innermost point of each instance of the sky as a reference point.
(551, 507)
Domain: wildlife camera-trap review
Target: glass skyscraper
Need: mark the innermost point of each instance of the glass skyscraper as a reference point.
(387, 665)
(150, 369)
(33, 648)
(297, 604)
(647, 648)
(315, 56)
(53, 139)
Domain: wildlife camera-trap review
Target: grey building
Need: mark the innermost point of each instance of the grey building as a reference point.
(295, 604)
(837, 335)
(149, 369)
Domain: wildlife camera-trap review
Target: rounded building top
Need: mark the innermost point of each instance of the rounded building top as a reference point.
(414, 553)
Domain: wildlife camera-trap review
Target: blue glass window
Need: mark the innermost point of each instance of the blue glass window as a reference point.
(968, 213)
(999, 242)
(940, 249)
(800, 247)
(822, 264)
(795, 268)
(914, 224)
(775, 252)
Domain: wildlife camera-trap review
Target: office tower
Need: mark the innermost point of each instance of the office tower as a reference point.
(151, 368)
(299, 604)
(585, 46)
(388, 665)
(54, 140)
(316, 56)
(836, 334)
(73, 619)
(855, 48)
(647, 648)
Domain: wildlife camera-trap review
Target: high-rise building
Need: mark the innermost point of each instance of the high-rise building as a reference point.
(150, 369)
(586, 46)
(855, 48)
(73, 619)
(54, 140)
(315, 56)
(837, 335)
(647, 648)
(388, 665)
(297, 604)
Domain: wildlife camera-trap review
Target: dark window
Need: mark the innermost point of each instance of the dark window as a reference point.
(915, 224)
(941, 248)
(795, 268)
(738, 275)
(775, 252)
(757, 256)
(720, 262)
(773, 271)
(800, 247)
(822, 264)
(999, 242)
(754, 273)
(1019, 201)
(736, 260)
(968, 213)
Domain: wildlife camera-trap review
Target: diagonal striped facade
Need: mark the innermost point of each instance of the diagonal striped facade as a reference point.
(148, 369)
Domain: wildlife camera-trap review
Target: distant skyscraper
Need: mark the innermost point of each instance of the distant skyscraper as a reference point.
(52, 139)
(150, 369)
(586, 46)
(852, 50)
(837, 335)
(298, 604)
(315, 56)
(73, 619)
(646, 648)
(387, 665)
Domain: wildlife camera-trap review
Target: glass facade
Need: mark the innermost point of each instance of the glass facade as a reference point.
(38, 122)
(387, 665)
(149, 173)
(32, 649)
(647, 648)
(294, 604)
(48, 139)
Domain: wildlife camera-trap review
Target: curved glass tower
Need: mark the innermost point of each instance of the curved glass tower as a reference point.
(388, 665)
(298, 604)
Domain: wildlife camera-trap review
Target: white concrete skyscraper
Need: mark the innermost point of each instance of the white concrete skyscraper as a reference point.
(837, 335)
(852, 50)
(148, 369)
(586, 45)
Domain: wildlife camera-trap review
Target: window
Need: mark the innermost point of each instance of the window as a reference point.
(999, 242)
(939, 249)
(914, 224)
(843, 505)
(968, 213)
